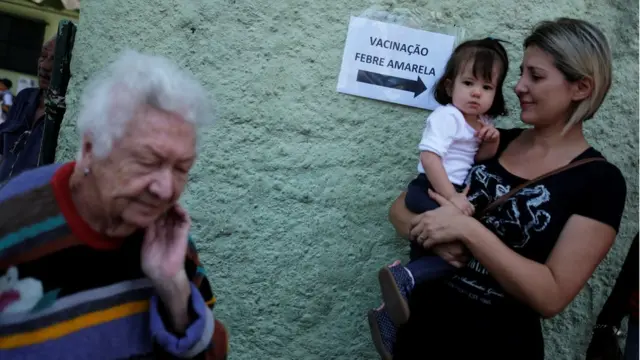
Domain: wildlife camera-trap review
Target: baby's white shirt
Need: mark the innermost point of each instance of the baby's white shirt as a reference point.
(448, 135)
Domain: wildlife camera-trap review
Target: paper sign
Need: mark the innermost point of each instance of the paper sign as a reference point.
(393, 63)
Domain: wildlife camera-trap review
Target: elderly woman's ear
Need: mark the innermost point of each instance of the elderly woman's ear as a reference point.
(86, 150)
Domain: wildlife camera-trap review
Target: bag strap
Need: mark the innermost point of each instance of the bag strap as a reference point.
(501, 200)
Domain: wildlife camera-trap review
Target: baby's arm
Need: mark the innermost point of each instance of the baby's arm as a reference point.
(490, 137)
(434, 170)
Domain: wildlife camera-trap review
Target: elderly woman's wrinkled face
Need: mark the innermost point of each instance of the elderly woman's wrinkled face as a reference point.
(545, 94)
(146, 172)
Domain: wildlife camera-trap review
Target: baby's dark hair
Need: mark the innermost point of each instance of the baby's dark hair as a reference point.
(484, 53)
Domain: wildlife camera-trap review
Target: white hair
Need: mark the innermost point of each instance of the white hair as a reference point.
(133, 80)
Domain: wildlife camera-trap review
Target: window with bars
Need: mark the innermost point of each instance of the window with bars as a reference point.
(20, 43)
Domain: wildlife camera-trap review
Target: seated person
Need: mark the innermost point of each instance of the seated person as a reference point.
(21, 134)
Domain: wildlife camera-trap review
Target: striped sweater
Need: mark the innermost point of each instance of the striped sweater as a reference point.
(67, 292)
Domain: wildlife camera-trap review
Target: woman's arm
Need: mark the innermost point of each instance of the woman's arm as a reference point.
(550, 287)
(401, 219)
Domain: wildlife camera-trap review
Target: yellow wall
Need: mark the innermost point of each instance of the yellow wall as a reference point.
(25, 8)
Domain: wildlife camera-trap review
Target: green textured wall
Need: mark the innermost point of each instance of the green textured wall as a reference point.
(290, 197)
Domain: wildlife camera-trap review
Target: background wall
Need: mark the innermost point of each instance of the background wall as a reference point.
(290, 197)
(28, 9)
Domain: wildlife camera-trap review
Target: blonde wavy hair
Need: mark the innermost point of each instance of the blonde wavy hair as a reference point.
(580, 50)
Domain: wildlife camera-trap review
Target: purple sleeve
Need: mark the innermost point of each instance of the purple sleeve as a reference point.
(196, 337)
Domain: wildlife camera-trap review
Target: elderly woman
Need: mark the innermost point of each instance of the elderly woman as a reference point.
(95, 254)
(530, 255)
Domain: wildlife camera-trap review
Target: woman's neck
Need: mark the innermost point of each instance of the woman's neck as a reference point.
(556, 145)
(90, 209)
(553, 135)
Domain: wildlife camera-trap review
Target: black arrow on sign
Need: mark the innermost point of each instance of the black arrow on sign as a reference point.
(417, 87)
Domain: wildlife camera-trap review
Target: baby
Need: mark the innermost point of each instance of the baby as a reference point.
(457, 134)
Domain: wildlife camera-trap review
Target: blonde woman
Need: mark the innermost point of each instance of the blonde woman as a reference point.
(530, 256)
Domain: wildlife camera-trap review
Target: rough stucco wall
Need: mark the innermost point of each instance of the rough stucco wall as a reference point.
(290, 197)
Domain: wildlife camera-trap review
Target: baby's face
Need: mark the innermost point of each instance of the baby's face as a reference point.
(471, 95)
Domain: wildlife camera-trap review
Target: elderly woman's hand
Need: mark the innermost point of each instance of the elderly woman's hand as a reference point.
(165, 245)
(163, 254)
(439, 226)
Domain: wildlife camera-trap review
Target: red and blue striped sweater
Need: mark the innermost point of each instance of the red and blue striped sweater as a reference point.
(67, 292)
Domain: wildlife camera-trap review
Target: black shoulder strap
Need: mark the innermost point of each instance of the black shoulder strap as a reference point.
(501, 200)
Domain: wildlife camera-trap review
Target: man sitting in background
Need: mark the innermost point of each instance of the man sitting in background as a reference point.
(21, 133)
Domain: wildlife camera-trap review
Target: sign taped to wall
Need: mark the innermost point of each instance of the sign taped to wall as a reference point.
(393, 63)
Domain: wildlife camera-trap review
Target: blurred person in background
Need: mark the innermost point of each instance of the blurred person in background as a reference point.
(621, 303)
(21, 133)
(6, 98)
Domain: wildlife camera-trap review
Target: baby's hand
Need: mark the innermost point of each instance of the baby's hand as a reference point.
(488, 133)
(461, 202)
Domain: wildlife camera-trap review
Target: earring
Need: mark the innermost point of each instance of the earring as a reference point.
(86, 171)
